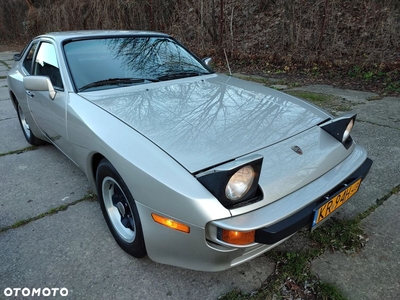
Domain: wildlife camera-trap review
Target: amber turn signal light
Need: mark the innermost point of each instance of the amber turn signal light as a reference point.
(238, 237)
(170, 223)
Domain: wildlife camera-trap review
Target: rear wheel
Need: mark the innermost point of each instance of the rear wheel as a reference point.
(26, 129)
(119, 210)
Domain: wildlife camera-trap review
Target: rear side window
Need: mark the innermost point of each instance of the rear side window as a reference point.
(46, 64)
(28, 59)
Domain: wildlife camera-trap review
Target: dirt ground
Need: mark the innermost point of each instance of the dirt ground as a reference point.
(11, 47)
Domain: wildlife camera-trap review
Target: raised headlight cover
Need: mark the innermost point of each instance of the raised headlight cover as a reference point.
(240, 183)
(340, 128)
(235, 182)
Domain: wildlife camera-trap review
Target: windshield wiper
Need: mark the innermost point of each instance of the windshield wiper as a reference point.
(116, 81)
(180, 75)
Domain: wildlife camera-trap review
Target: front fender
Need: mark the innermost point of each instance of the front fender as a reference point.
(154, 178)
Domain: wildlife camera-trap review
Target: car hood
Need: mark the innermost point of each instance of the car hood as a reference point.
(205, 121)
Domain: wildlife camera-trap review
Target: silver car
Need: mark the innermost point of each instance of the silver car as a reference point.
(192, 168)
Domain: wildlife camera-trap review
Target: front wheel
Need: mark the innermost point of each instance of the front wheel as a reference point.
(26, 129)
(119, 210)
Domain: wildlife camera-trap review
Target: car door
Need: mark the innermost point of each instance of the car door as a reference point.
(50, 115)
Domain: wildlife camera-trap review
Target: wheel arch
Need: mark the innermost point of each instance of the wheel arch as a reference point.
(13, 99)
(94, 163)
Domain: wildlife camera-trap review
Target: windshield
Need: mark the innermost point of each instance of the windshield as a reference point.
(112, 62)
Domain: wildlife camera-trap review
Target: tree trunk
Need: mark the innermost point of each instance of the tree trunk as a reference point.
(30, 5)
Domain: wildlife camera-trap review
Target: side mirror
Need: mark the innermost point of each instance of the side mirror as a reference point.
(17, 57)
(207, 61)
(40, 83)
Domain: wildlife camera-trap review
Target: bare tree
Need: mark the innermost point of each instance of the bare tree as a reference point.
(30, 5)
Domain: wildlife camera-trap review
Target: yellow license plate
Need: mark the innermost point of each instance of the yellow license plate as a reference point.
(335, 202)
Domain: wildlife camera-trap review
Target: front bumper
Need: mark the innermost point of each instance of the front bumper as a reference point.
(275, 233)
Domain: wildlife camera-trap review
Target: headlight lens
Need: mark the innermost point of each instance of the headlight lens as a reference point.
(346, 133)
(240, 183)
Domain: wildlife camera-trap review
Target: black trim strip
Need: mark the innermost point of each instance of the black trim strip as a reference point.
(274, 233)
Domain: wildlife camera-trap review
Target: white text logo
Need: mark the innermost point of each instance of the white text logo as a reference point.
(40, 292)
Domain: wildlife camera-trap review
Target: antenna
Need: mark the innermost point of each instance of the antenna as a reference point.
(227, 62)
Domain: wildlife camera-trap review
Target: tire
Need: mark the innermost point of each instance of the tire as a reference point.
(29, 136)
(119, 210)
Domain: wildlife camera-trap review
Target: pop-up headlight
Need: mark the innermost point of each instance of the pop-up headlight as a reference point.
(340, 128)
(234, 182)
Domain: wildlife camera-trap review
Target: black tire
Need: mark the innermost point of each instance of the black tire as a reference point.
(119, 210)
(29, 136)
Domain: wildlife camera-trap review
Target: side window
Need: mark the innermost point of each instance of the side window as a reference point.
(46, 64)
(28, 59)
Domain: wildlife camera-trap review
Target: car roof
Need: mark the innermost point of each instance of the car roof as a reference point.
(63, 35)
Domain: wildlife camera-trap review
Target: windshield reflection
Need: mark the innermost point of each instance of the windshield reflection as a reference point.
(148, 58)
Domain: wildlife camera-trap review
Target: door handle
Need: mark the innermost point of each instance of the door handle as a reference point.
(30, 94)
